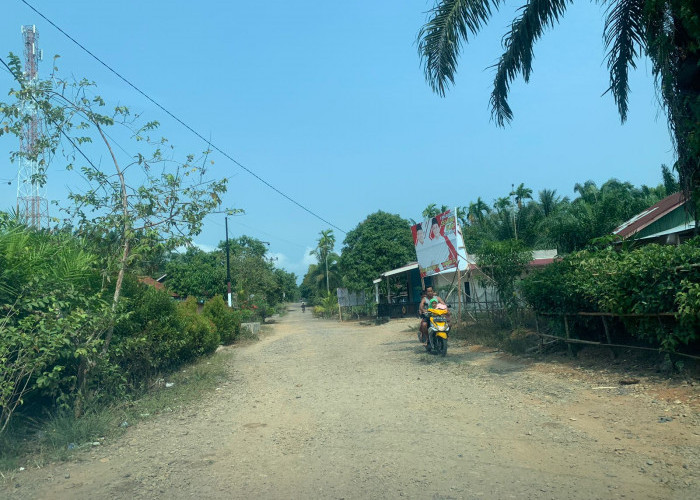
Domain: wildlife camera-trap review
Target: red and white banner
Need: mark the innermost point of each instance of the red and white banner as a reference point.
(439, 244)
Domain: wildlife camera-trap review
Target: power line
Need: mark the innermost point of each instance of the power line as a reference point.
(182, 122)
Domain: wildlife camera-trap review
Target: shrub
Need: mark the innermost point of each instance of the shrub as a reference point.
(200, 334)
(226, 321)
(647, 281)
(149, 336)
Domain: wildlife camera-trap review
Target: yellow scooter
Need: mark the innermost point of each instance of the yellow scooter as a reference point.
(438, 330)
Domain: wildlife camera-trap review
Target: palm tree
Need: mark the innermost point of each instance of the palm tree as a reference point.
(502, 204)
(521, 193)
(323, 249)
(664, 30)
(549, 201)
(587, 191)
(477, 210)
(432, 210)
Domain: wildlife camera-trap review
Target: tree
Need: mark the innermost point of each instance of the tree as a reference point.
(549, 201)
(502, 204)
(503, 262)
(323, 250)
(587, 191)
(433, 210)
(477, 210)
(197, 273)
(379, 243)
(149, 193)
(670, 182)
(668, 31)
(521, 193)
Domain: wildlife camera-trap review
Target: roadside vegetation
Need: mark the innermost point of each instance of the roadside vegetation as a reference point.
(82, 336)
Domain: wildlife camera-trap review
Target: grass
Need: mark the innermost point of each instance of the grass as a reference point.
(61, 436)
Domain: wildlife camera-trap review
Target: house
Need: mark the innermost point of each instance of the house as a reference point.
(667, 222)
(157, 284)
(402, 294)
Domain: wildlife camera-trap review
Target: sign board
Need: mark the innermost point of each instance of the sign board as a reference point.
(439, 244)
(349, 299)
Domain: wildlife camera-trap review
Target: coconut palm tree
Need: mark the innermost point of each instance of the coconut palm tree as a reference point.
(549, 201)
(665, 30)
(587, 191)
(323, 250)
(432, 210)
(477, 210)
(502, 204)
(521, 193)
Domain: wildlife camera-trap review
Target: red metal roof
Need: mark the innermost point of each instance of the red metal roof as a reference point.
(651, 214)
(147, 280)
(540, 262)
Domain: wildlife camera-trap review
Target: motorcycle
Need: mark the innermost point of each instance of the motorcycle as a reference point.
(438, 330)
(303, 307)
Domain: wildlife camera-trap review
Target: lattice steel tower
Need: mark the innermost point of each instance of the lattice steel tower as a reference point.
(32, 204)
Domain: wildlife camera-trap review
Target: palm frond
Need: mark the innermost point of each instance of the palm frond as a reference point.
(535, 16)
(440, 39)
(624, 39)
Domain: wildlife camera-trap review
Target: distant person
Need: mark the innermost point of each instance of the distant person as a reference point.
(303, 306)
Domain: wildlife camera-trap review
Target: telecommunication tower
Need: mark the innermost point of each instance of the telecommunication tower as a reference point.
(32, 204)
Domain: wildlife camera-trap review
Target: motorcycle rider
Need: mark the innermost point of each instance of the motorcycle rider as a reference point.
(423, 310)
(303, 306)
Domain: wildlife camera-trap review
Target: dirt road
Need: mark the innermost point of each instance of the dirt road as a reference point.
(320, 409)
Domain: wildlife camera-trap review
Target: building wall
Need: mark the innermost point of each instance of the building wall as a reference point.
(673, 219)
(481, 295)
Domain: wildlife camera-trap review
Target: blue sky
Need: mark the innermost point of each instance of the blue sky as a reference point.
(327, 101)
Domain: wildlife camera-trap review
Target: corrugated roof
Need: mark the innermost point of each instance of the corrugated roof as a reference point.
(650, 215)
(408, 267)
(147, 280)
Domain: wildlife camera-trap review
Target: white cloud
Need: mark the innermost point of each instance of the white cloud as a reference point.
(308, 258)
(206, 248)
(298, 266)
(201, 246)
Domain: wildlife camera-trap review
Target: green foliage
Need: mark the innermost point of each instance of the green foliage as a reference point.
(51, 319)
(197, 273)
(149, 336)
(667, 31)
(323, 277)
(201, 336)
(226, 320)
(652, 279)
(555, 222)
(381, 242)
(504, 262)
(47, 347)
(327, 308)
(150, 198)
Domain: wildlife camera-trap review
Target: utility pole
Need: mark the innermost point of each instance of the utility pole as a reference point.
(228, 267)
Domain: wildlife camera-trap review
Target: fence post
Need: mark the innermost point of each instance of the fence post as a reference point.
(568, 344)
(607, 332)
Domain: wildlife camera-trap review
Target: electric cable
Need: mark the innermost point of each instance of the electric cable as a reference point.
(180, 121)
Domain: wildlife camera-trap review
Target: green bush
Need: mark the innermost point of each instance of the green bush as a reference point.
(149, 336)
(200, 334)
(226, 320)
(649, 280)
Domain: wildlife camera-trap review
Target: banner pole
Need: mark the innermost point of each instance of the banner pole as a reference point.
(459, 277)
